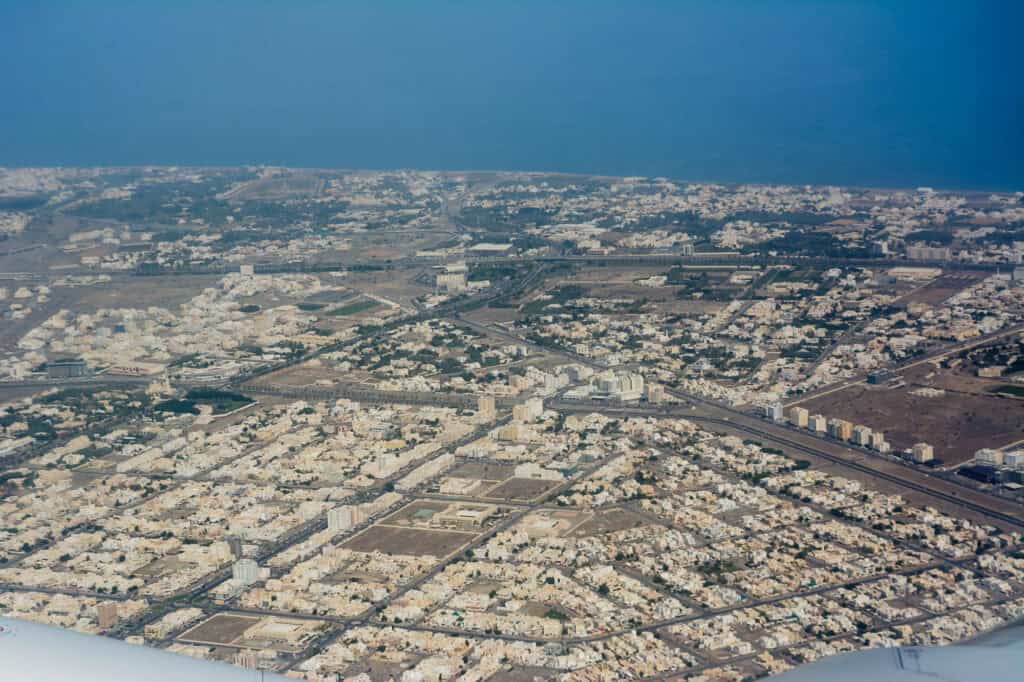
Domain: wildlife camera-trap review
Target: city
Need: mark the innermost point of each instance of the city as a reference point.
(413, 425)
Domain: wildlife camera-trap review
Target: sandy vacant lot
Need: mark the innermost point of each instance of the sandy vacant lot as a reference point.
(956, 423)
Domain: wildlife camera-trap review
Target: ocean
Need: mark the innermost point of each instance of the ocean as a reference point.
(895, 93)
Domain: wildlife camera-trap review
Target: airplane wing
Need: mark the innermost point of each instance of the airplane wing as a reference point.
(996, 656)
(32, 652)
(913, 664)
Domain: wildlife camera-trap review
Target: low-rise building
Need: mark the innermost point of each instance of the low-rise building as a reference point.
(1014, 459)
(106, 614)
(989, 456)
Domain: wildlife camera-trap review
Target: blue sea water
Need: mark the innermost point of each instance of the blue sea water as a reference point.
(894, 93)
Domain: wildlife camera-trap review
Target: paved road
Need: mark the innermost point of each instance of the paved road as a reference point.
(78, 382)
(718, 417)
(711, 258)
(961, 496)
(937, 355)
(1006, 513)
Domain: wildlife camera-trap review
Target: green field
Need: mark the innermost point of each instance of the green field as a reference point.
(354, 308)
(221, 401)
(1008, 389)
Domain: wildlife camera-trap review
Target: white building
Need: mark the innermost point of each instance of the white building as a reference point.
(798, 416)
(862, 435)
(344, 518)
(485, 407)
(610, 385)
(919, 252)
(529, 411)
(1014, 459)
(989, 456)
(922, 452)
(245, 571)
(774, 412)
(451, 282)
(655, 393)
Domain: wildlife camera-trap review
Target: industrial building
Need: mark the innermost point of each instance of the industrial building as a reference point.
(66, 369)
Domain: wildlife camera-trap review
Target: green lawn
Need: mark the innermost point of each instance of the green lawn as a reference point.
(354, 308)
(221, 401)
(1008, 389)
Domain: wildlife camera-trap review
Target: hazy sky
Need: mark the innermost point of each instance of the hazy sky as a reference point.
(893, 93)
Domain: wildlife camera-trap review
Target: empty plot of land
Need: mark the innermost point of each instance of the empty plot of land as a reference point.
(410, 541)
(552, 524)
(488, 315)
(353, 308)
(610, 521)
(520, 489)
(277, 189)
(376, 669)
(159, 568)
(398, 285)
(482, 471)
(956, 424)
(313, 373)
(165, 292)
(330, 296)
(222, 628)
(522, 675)
(415, 512)
(941, 288)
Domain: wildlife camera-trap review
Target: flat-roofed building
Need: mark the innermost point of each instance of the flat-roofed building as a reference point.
(245, 571)
(529, 411)
(485, 406)
(66, 369)
(798, 416)
(989, 456)
(840, 429)
(922, 252)
(344, 518)
(1014, 459)
(106, 613)
(862, 435)
(922, 452)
